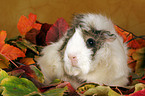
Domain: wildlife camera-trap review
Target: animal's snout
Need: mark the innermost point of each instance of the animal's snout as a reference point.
(73, 59)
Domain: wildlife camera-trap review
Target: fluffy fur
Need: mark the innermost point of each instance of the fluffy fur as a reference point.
(107, 66)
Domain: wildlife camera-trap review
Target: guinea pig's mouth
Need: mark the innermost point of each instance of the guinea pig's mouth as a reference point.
(73, 70)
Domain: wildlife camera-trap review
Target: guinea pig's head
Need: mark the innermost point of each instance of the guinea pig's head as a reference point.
(84, 39)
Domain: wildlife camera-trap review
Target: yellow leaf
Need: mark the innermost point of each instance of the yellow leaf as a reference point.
(4, 63)
(139, 56)
(139, 87)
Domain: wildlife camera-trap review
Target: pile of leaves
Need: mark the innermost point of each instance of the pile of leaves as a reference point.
(21, 76)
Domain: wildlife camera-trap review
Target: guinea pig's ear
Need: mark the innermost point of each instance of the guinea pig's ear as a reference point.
(108, 36)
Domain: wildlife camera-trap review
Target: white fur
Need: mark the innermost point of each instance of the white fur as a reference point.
(109, 66)
(76, 47)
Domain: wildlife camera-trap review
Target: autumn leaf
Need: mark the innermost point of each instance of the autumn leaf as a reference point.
(131, 51)
(3, 35)
(91, 89)
(27, 61)
(122, 33)
(86, 86)
(31, 35)
(139, 56)
(16, 72)
(138, 93)
(127, 36)
(55, 92)
(40, 38)
(8, 52)
(33, 72)
(26, 24)
(28, 45)
(4, 62)
(43, 34)
(14, 86)
(99, 90)
(11, 52)
(3, 75)
(141, 42)
(57, 30)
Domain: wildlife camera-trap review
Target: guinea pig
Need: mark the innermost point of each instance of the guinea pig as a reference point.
(90, 51)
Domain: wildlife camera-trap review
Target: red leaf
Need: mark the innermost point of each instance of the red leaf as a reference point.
(40, 38)
(141, 81)
(16, 72)
(28, 71)
(138, 93)
(141, 42)
(56, 31)
(134, 44)
(143, 78)
(31, 35)
(69, 86)
(24, 25)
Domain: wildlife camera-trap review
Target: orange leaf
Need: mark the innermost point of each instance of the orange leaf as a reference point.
(26, 24)
(11, 52)
(126, 37)
(124, 34)
(27, 61)
(131, 51)
(32, 18)
(3, 35)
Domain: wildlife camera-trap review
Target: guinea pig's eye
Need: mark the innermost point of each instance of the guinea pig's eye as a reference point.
(90, 42)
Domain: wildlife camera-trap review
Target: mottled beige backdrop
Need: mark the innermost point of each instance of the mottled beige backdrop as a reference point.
(129, 14)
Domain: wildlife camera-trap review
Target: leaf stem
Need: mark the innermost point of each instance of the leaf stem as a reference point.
(119, 91)
(10, 60)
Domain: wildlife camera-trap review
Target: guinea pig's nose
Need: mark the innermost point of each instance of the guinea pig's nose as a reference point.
(73, 60)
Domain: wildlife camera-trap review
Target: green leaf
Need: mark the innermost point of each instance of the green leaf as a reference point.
(14, 86)
(3, 75)
(99, 91)
(30, 46)
(35, 94)
(10, 41)
(20, 45)
(56, 81)
(1, 90)
(55, 92)
(113, 93)
(26, 44)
